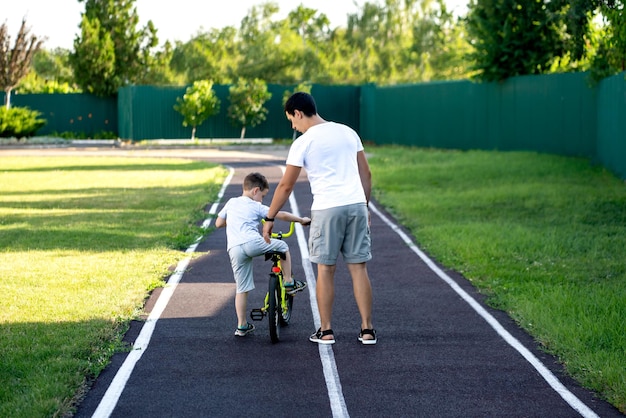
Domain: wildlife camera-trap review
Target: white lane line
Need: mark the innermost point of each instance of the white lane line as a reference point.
(548, 376)
(111, 397)
(329, 367)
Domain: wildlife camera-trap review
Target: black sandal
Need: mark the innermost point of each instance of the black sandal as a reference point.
(318, 337)
(371, 332)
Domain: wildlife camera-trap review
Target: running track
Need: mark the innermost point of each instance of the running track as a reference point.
(441, 353)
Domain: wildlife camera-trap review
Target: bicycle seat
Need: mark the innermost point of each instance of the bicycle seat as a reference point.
(270, 254)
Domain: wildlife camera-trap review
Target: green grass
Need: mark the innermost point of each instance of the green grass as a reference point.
(543, 236)
(82, 242)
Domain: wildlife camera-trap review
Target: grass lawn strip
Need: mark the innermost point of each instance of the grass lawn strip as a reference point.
(82, 243)
(543, 236)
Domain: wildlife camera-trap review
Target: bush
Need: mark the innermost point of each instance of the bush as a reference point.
(19, 122)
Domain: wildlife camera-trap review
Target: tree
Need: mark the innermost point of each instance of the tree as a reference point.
(15, 62)
(302, 87)
(400, 41)
(197, 105)
(247, 100)
(50, 73)
(397, 41)
(311, 35)
(262, 49)
(439, 48)
(611, 56)
(386, 42)
(93, 59)
(111, 52)
(513, 37)
(208, 55)
(159, 69)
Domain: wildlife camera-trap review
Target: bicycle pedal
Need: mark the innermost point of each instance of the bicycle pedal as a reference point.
(257, 314)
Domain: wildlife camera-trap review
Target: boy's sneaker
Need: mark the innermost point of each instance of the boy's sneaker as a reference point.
(245, 330)
(295, 287)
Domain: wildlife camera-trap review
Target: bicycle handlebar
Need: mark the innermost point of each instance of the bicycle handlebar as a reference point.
(281, 235)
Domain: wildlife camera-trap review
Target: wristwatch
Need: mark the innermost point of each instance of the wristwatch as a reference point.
(266, 219)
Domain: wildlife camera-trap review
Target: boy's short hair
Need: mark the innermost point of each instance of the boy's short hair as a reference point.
(253, 180)
(303, 102)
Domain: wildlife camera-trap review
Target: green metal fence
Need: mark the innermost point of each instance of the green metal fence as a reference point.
(557, 113)
(554, 114)
(147, 112)
(79, 113)
(611, 149)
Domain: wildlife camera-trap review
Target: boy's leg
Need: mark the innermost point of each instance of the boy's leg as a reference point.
(241, 264)
(241, 307)
(286, 264)
(292, 286)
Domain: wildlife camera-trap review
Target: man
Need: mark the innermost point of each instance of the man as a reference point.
(334, 159)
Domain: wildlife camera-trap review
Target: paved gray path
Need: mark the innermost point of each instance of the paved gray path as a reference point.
(436, 356)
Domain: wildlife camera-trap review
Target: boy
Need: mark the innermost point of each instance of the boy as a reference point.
(241, 216)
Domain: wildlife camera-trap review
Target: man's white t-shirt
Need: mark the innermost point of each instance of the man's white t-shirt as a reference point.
(328, 154)
(243, 216)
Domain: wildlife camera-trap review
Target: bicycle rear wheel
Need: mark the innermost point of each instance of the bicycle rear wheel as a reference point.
(274, 312)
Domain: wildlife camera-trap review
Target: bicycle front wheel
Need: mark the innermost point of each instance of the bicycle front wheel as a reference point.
(274, 312)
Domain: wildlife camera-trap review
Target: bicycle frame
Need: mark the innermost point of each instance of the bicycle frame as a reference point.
(277, 304)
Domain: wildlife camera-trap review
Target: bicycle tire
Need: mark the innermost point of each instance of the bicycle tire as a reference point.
(274, 313)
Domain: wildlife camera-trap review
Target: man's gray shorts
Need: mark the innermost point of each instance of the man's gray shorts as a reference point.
(344, 230)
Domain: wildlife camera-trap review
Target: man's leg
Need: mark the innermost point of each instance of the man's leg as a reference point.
(325, 293)
(362, 288)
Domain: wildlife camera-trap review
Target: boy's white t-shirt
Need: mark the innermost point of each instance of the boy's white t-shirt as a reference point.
(243, 216)
(328, 154)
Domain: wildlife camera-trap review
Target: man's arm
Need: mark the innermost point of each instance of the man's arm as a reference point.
(290, 217)
(365, 174)
(281, 195)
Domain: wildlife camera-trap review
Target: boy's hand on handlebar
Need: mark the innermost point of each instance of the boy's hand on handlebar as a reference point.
(305, 221)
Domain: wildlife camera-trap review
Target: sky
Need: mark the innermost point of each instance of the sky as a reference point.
(58, 20)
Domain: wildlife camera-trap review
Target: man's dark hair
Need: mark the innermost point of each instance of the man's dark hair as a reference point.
(253, 180)
(303, 102)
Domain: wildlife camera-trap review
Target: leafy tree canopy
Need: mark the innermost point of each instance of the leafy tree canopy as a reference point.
(384, 42)
(518, 37)
(111, 52)
(198, 104)
(247, 103)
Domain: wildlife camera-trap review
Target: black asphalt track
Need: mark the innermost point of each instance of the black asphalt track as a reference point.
(436, 357)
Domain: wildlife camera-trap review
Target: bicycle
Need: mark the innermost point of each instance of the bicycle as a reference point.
(278, 303)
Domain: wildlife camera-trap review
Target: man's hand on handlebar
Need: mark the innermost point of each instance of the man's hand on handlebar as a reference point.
(269, 225)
